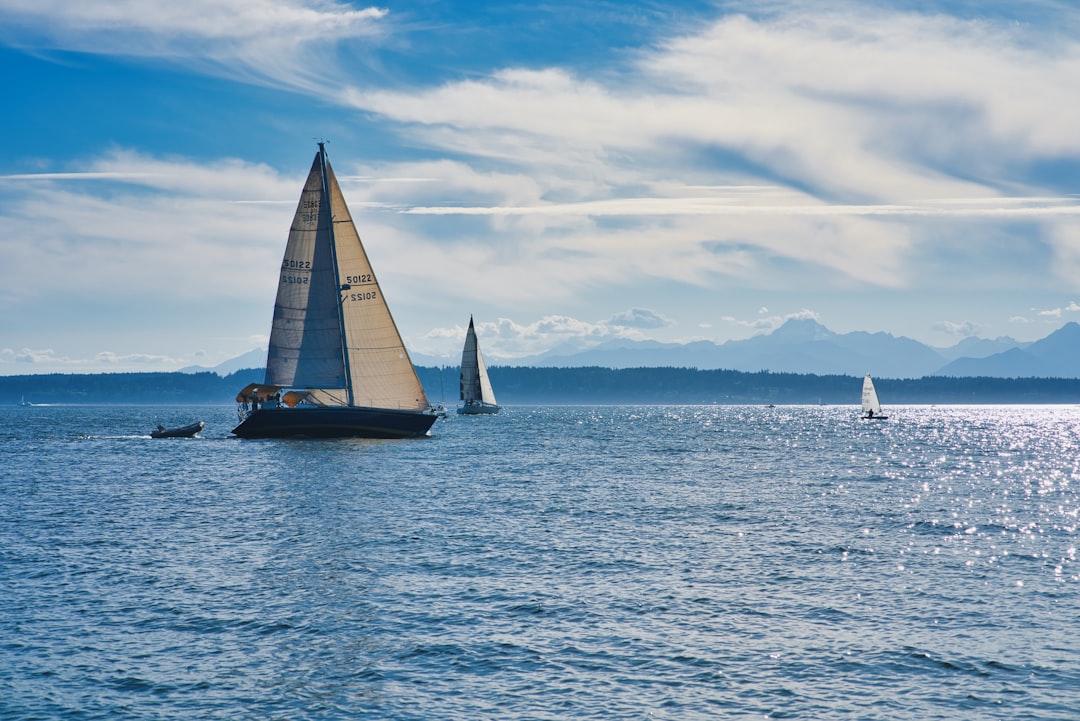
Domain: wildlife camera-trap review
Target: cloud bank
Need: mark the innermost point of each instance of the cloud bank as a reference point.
(802, 149)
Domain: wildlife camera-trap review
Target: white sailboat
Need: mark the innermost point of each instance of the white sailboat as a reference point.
(336, 366)
(871, 407)
(476, 391)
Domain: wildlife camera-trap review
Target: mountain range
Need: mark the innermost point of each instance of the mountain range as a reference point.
(806, 346)
(252, 359)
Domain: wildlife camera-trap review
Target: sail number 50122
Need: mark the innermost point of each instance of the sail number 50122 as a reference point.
(365, 278)
(369, 295)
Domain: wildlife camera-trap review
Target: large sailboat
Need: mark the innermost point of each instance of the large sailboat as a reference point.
(336, 366)
(476, 390)
(871, 407)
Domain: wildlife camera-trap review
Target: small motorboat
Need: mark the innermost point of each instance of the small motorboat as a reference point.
(187, 431)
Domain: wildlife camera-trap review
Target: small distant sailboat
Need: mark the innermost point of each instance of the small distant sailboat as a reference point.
(476, 391)
(336, 366)
(871, 407)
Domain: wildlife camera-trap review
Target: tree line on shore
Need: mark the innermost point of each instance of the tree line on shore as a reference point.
(560, 386)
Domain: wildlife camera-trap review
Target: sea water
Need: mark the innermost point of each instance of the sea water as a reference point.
(617, 562)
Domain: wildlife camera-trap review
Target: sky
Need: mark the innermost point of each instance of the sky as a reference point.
(568, 173)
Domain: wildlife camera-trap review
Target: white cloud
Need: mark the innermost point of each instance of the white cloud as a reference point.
(850, 103)
(887, 132)
(226, 19)
(287, 42)
(168, 232)
(639, 318)
(1065, 239)
(49, 360)
(126, 170)
(963, 329)
(109, 358)
(1072, 307)
(767, 324)
(798, 151)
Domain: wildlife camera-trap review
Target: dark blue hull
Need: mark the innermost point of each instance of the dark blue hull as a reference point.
(334, 422)
(478, 409)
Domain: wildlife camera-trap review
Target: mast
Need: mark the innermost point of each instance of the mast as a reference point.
(323, 162)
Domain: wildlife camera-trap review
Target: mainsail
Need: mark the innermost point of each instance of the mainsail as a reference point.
(870, 404)
(332, 332)
(475, 384)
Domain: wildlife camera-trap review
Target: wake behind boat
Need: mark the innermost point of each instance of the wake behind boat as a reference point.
(476, 391)
(871, 407)
(337, 366)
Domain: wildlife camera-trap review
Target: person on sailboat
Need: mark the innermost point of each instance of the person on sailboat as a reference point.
(870, 413)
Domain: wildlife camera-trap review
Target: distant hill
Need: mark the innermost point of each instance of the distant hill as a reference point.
(125, 388)
(517, 385)
(1055, 356)
(798, 346)
(806, 346)
(979, 347)
(252, 359)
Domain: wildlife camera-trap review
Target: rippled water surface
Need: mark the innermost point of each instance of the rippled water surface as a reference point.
(685, 562)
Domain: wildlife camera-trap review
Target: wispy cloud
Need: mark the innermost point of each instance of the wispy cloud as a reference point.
(799, 148)
(88, 176)
(225, 19)
(279, 42)
(720, 205)
(853, 104)
(844, 139)
(143, 228)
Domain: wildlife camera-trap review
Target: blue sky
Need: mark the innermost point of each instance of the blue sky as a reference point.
(568, 173)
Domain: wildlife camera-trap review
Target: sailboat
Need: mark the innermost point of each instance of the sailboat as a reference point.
(336, 366)
(871, 407)
(476, 390)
